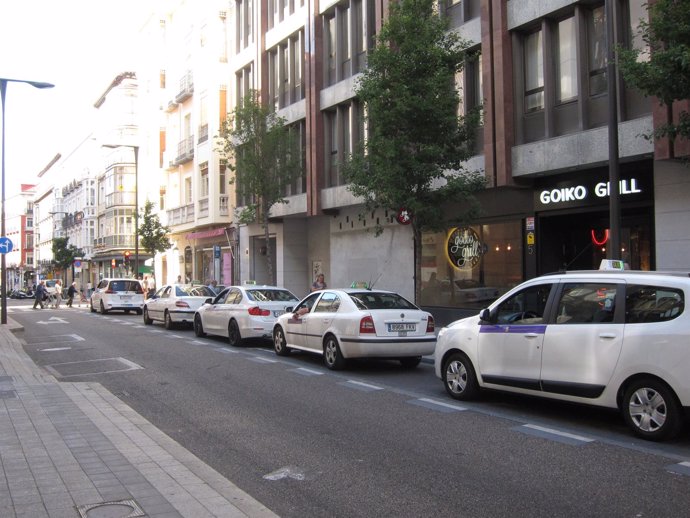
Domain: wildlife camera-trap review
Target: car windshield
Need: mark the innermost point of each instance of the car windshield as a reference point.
(186, 291)
(367, 300)
(126, 286)
(266, 295)
(200, 291)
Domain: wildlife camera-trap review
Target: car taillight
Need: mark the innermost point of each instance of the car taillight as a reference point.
(258, 312)
(366, 325)
(430, 325)
(109, 291)
(181, 304)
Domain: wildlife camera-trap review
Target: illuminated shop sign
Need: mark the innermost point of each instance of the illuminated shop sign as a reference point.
(464, 249)
(583, 193)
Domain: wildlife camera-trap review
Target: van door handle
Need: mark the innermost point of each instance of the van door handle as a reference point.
(608, 336)
(531, 335)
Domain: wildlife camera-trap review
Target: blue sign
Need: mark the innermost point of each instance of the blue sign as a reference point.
(5, 245)
(216, 251)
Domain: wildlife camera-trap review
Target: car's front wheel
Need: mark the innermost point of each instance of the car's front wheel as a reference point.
(279, 342)
(198, 326)
(147, 319)
(332, 356)
(103, 310)
(459, 377)
(651, 409)
(234, 336)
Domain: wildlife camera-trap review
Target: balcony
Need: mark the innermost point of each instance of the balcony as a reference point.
(186, 88)
(181, 215)
(120, 198)
(185, 151)
(203, 208)
(171, 107)
(116, 241)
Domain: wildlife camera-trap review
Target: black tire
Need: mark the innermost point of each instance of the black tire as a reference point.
(459, 377)
(167, 321)
(234, 336)
(147, 320)
(103, 310)
(198, 326)
(410, 363)
(651, 410)
(126, 312)
(332, 357)
(93, 310)
(140, 311)
(279, 342)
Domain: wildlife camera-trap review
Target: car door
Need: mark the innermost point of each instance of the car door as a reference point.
(156, 306)
(510, 345)
(296, 325)
(319, 320)
(583, 343)
(217, 316)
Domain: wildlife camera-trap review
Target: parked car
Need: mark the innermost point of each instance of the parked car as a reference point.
(616, 339)
(240, 312)
(203, 291)
(356, 323)
(118, 294)
(174, 304)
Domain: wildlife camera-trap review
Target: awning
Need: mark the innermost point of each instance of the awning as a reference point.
(206, 233)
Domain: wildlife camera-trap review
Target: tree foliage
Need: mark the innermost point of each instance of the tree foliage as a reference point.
(666, 72)
(417, 143)
(64, 253)
(153, 235)
(263, 154)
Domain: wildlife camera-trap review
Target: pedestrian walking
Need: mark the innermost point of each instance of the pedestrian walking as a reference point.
(71, 292)
(39, 294)
(58, 293)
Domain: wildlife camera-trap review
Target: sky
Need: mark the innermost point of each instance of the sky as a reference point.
(77, 45)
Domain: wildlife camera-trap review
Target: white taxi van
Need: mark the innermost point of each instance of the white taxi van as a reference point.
(611, 338)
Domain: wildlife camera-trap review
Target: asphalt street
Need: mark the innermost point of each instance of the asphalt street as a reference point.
(373, 440)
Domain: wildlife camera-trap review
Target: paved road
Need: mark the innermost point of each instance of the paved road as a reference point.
(372, 440)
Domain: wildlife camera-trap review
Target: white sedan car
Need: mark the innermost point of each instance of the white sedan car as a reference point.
(240, 312)
(175, 304)
(356, 323)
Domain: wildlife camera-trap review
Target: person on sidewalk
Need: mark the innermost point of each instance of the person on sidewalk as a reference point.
(71, 292)
(58, 293)
(39, 294)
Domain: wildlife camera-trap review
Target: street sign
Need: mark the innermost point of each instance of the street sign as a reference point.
(5, 245)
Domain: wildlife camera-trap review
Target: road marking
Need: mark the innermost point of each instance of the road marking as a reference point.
(554, 435)
(53, 320)
(54, 349)
(59, 339)
(439, 406)
(360, 385)
(259, 359)
(224, 350)
(286, 472)
(176, 336)
(130, 365)
(155, 331)
(682, 468)
(307, 372)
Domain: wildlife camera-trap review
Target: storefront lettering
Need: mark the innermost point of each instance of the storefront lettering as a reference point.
(464, 248)
(580, 192)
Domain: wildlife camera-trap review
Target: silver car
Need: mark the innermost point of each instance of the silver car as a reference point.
(240, 312)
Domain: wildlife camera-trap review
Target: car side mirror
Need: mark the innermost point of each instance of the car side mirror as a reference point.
(209, 300)
(485, 315)
(289, 309)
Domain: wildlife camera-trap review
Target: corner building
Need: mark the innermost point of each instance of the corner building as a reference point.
(543, 147)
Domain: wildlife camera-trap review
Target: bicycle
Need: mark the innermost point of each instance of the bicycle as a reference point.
(50, 301)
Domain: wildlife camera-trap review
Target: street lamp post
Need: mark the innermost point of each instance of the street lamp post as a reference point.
(3, 276)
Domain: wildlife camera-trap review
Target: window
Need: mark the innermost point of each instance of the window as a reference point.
(330, 39)
(188, 190)
(329, 303)
(203, 187)
(525, 307)
(638, 15)
(586, 303)
(221, 177)
(566, 89)
(596, 36)
(344, 41)
(534, 72)
(644, 304)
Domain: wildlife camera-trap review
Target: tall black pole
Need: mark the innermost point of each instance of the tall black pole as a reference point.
(136, 211)
(613, 250)
(3, 289)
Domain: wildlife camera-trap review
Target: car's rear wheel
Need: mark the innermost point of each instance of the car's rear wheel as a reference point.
(103, 310)
(93, 310)
(332, 356)
(651, 409)
(459, 377)
(147, 320)
(167, 319)
(279, 342)
(234, 336)
(198, 326)
(410, 363)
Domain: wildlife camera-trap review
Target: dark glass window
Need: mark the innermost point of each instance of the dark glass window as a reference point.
(586, 303)
(644, 304)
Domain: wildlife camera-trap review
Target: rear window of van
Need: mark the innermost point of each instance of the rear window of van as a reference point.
(652, 304)
(126, 286)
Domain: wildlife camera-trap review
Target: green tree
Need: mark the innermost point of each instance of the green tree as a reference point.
(262, 153)
(153, 235)
(64, 253)
(414, 153)
(665, 71)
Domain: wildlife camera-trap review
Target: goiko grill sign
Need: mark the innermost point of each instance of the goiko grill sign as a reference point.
(579, 194)
(464, 249)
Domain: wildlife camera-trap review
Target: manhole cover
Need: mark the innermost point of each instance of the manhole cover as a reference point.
(86, 367)
(120, 509)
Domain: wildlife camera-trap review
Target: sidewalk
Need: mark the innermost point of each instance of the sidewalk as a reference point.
(71, 450)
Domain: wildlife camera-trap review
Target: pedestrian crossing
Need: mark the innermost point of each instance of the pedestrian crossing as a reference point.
(25, 309)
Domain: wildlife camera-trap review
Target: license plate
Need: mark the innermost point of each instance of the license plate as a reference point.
(401, 327)
(125, 297)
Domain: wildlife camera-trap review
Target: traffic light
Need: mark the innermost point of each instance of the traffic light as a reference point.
(127, 253)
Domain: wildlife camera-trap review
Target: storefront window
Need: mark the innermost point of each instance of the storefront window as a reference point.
(470, 267)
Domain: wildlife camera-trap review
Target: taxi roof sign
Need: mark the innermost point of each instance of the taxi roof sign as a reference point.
(613, 264)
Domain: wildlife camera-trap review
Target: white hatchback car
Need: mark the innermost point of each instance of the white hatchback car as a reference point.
(356, 323)
(120, 294)
(616, 339)
(239, 312)
(175, 304)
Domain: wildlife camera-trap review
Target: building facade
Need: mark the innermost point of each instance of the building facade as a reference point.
(19, 227)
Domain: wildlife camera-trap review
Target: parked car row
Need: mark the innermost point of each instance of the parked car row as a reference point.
(616, 339)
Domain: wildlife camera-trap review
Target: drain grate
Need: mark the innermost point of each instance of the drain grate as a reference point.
(119, 509)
